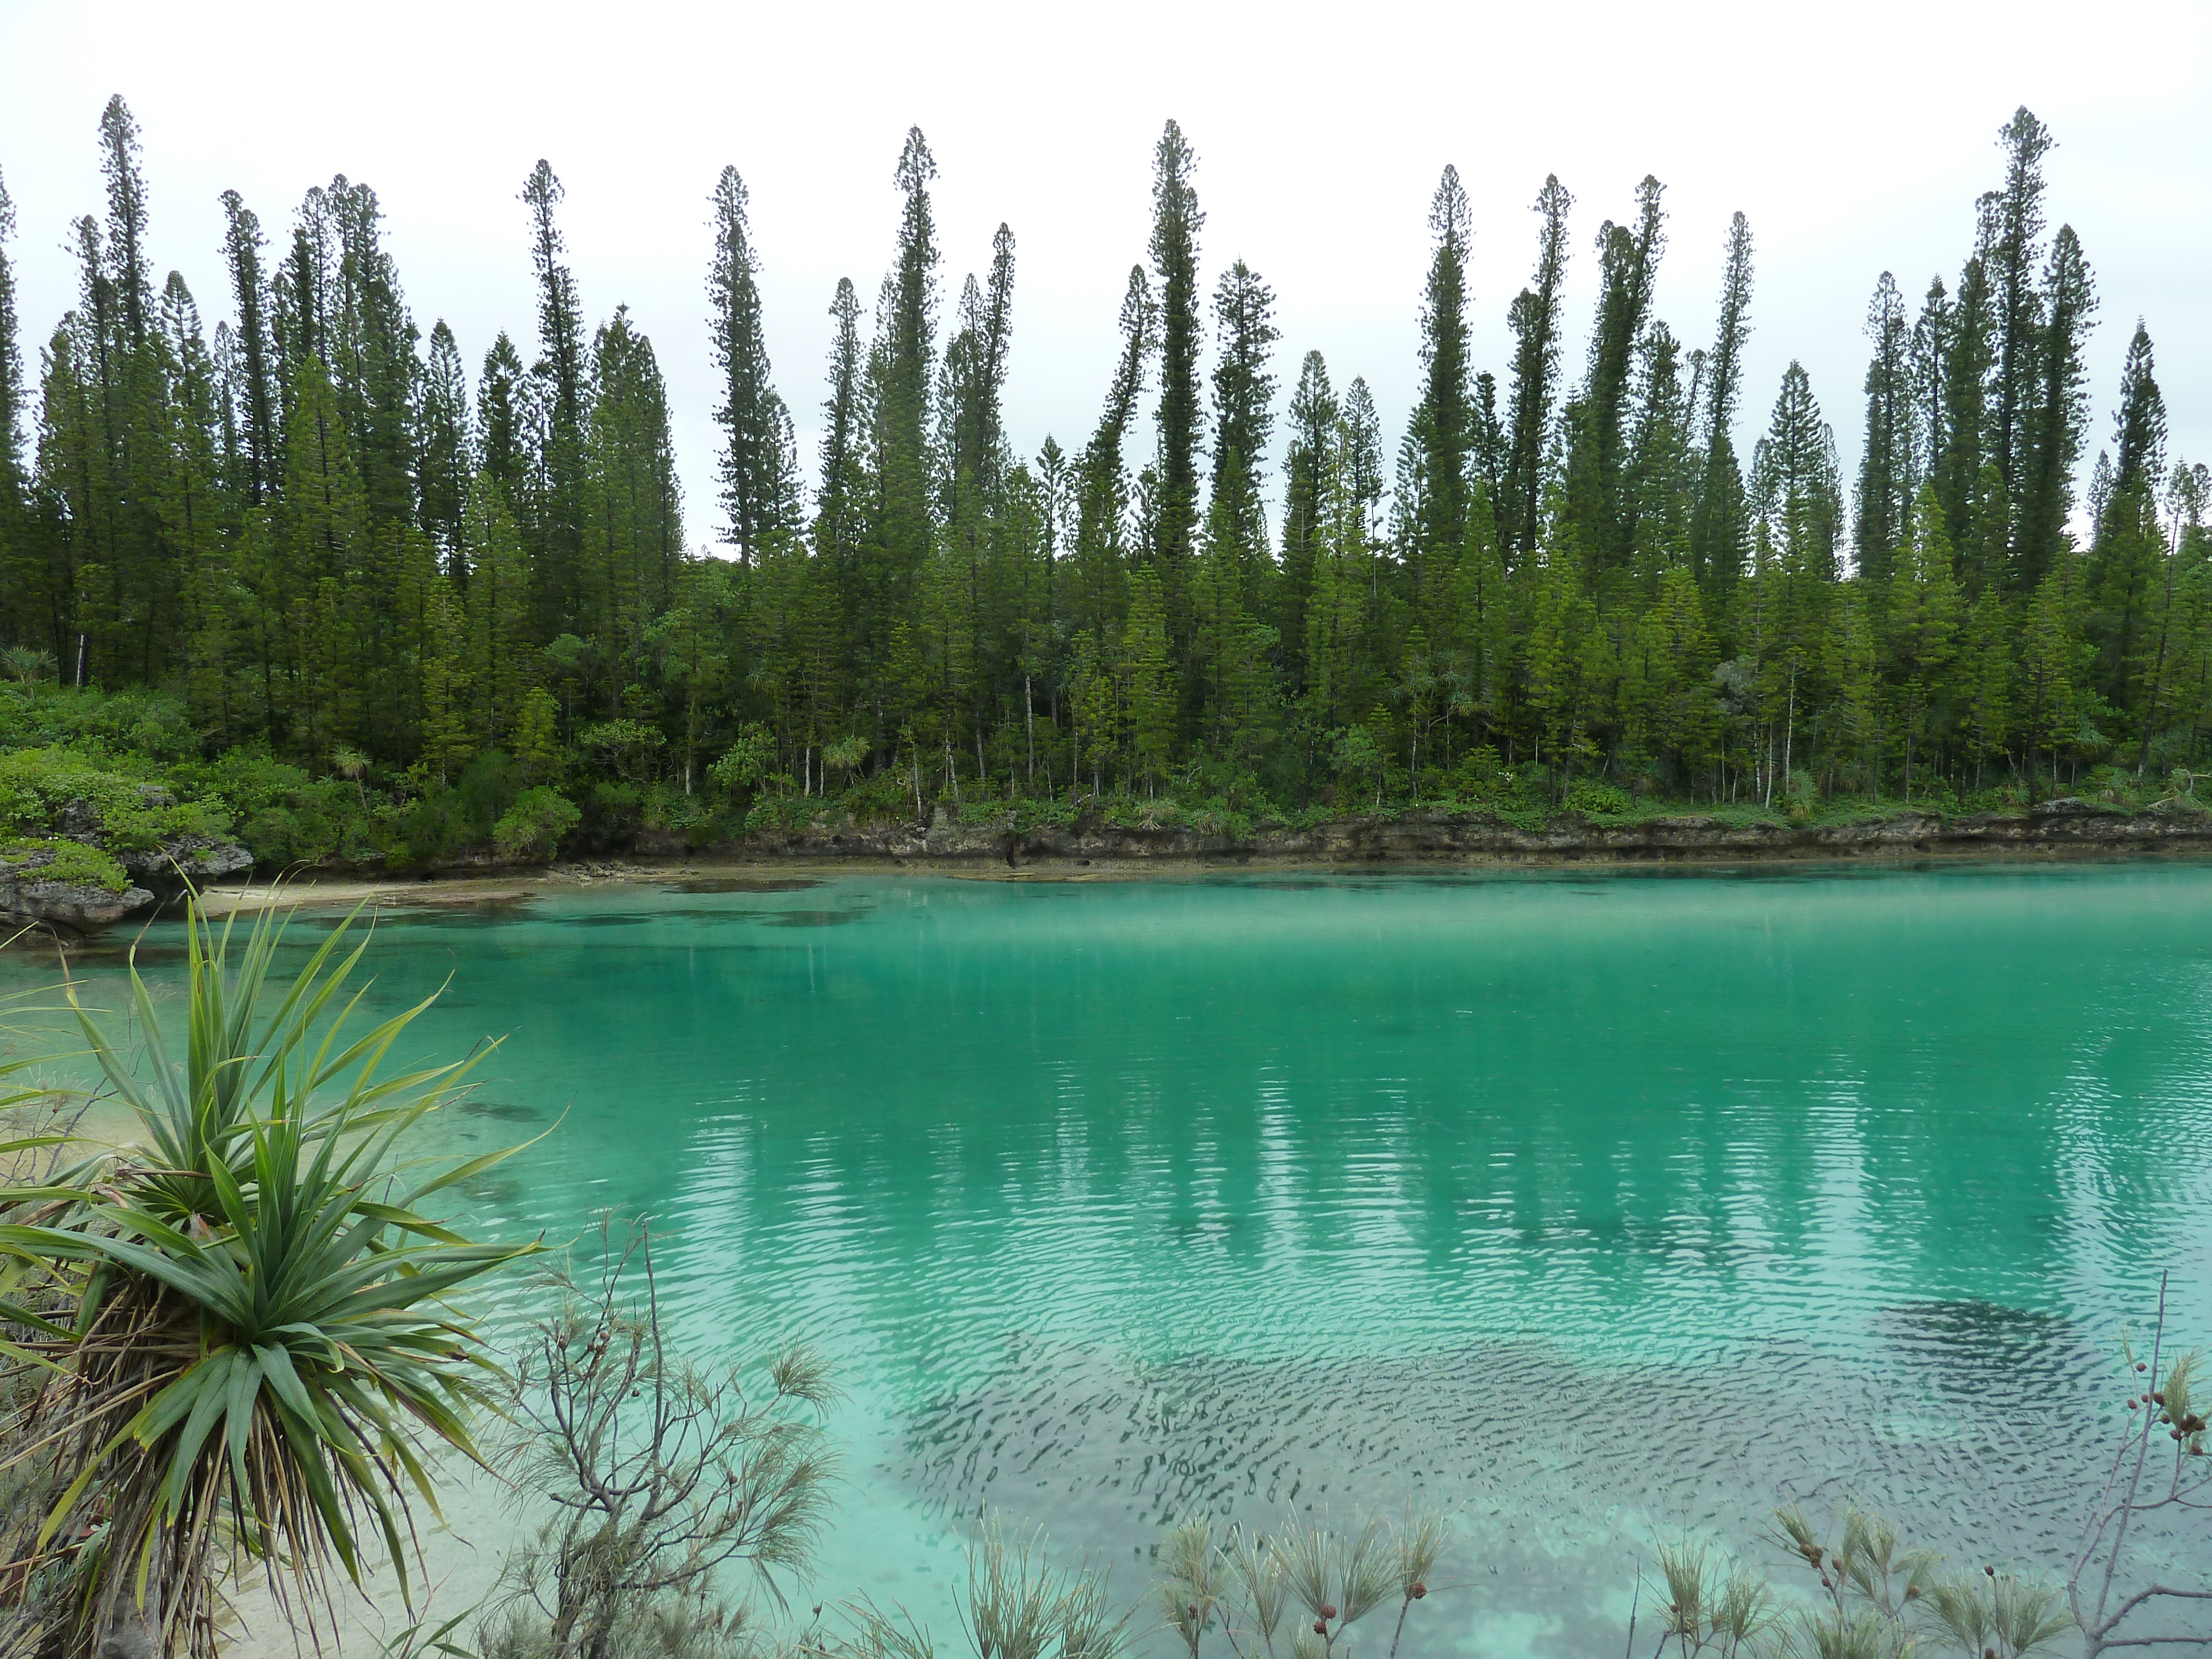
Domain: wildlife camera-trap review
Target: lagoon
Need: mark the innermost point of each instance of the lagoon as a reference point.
(1590, 1207)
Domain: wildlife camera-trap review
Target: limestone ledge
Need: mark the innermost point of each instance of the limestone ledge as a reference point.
(29, 899)
(2056, 826)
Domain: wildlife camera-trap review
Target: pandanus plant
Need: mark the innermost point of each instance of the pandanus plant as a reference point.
(245, 1323)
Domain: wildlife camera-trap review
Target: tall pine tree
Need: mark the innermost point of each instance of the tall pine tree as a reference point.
(758, 471)
(1444, 418)
(1176, 221)
(1716, 529)
(1887, 480)
(1533, 318)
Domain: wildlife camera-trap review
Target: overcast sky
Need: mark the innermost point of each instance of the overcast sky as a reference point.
(1855, 137)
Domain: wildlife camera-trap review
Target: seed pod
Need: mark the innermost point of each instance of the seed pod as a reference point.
(1419, 1590)
(1321, 1627)
(1327, 1610)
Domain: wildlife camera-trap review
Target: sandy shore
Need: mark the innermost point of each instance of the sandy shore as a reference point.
(773, 874)
(458, 1570)
(470, 892)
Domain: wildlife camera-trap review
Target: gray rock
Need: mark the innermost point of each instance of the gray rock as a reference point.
(62, 906)
(198, 858)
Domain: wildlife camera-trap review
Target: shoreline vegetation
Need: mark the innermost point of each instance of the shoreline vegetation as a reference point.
(306, 591)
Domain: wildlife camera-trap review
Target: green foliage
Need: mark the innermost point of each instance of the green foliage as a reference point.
(138, 721)
(281, 813)
(255, 1343)
(311, 554)
(1598, 802)
(532, 828)
(39, 787)
(30, 859)
(746, 762)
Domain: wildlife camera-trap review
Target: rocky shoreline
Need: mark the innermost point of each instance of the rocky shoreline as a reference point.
(2055, 827)
(1094, 850)
(32, 897)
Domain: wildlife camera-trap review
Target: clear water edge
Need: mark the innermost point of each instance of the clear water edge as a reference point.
(1590, 1207)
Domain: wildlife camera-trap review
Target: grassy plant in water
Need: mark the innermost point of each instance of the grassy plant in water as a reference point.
(246, 1322)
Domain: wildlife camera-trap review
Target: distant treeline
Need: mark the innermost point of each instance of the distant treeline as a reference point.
(340, 548)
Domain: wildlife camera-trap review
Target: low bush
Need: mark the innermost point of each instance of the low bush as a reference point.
(107, 724)
(1593, 799)
(31, 859)
(532, 829)
(39, 787)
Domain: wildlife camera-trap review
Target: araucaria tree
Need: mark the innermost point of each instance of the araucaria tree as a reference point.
(340, 552)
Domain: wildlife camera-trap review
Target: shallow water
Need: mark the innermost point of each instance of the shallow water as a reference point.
(1589, 1206)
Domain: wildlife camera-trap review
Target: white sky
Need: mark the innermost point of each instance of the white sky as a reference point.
(1855, 137)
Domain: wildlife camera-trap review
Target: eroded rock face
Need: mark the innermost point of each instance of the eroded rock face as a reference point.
(195, 858)
(31, 898)
(66, 906)
(1479, 837)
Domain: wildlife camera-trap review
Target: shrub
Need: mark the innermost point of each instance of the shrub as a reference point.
(1597, 801)
(486, 792)
(100, 723)
(34, 860)
(661, 1474)
(37, 785)
(746, 762)
(283, 816)
(533, 827)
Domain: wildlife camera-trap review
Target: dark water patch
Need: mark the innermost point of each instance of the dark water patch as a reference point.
(500, 1191)
(435, 913)
(108, 952)
(702, 913)
(715, 913)
(1969, 1347)
(813, 918)
(703, 884)
(1549, 1461)
(505, 1111)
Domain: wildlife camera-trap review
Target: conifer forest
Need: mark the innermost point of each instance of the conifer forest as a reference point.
(333, 576)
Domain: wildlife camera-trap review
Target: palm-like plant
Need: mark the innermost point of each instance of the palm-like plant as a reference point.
(25, 664)
(247, 1320)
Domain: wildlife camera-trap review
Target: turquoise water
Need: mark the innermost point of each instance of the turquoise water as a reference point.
(1588, 1206)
